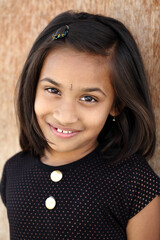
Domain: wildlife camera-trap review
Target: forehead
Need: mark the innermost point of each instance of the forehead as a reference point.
(67, 53)
(69, 66)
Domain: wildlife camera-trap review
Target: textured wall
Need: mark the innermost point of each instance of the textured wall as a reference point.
(20, 23)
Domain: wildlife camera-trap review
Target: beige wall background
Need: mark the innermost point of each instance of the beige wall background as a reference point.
(20, 23)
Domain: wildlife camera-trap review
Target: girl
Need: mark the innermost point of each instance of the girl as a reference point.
(86, 128)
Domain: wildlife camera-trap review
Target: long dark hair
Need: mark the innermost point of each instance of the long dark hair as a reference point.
(134, 128)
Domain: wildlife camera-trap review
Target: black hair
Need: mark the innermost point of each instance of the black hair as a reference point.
(134, 128)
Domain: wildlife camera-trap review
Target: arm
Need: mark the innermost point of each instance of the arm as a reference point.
(146, 224)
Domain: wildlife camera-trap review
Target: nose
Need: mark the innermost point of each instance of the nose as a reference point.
(65, 113)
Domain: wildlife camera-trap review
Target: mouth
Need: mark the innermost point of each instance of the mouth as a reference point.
(64, 133)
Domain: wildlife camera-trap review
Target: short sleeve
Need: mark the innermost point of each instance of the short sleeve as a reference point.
(3, 186)
(145, 186)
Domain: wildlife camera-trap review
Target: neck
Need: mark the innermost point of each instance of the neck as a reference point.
(54, 158)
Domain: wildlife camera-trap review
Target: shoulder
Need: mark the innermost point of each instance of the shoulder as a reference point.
(134, 162)
(137, 166)
(142, 177)
(136, 180)
(144, 183)
(132, 185)
(18, 160)
(132, 167)
(14, 167)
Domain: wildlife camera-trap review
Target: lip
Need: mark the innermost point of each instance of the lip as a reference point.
(61, 134)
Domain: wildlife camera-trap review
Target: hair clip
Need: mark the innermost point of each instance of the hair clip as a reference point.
(61, 35)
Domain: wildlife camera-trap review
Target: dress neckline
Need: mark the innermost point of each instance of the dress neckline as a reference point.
(75, 164)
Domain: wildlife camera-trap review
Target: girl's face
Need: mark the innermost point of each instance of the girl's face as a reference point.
(73, 100)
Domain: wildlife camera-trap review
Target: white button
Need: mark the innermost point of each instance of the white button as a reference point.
(50, 202)
(56, 176)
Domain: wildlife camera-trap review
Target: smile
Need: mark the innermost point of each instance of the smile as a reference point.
(63, 133)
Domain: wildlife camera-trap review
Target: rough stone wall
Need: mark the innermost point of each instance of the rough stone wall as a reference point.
(20, 23)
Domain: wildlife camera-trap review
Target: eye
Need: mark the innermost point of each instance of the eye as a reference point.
(88, 99)
(53, 90)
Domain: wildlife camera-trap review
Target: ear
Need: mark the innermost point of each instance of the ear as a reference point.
(115, 111)
(112, 113)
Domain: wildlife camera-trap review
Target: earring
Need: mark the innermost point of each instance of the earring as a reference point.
(113, 119)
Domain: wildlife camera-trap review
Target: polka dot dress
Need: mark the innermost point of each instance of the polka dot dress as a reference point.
(86, 199)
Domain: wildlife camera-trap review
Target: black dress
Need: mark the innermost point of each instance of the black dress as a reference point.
(86, 199)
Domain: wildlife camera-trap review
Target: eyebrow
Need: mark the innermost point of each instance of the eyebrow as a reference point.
(83, 89)
(51, 81)
(93, 90)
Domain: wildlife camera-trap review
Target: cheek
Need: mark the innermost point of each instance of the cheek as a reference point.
(40, 109)
(97, 120)
(37, 107)
(40, 105)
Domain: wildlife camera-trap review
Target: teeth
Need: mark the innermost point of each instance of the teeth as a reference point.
(65, 132)
(59, 130)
